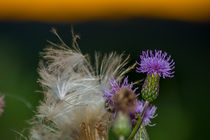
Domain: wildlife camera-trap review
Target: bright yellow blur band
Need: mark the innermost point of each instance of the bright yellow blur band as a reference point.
(77, 10)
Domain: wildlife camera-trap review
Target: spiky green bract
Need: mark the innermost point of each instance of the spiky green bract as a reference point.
(150, 89)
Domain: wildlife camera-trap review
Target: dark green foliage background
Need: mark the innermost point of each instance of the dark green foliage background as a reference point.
(183, 103)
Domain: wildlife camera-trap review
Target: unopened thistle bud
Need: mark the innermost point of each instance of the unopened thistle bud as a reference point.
(122, 125)
(155, 65)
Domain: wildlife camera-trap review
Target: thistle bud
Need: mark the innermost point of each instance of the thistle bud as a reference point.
(122, 125)
(150, 89)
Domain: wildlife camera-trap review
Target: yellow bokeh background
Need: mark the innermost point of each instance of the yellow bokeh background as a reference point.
(79, 10)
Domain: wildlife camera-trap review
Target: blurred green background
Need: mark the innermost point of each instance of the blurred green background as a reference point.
(183, 104)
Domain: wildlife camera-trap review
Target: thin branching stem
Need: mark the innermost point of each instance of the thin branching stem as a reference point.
(139, 122)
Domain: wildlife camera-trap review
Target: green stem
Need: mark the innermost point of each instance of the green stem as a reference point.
(139, 122)
(140, 131)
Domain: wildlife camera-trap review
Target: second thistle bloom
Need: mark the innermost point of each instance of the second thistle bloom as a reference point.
(121, 97)
(149, 114)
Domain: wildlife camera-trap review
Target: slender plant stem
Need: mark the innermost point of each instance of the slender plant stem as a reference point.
(139, 122)
(140, 131)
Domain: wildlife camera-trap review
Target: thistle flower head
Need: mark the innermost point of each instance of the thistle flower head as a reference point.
(121, 97)
(157, 63)
(2, 104)
(149, 114)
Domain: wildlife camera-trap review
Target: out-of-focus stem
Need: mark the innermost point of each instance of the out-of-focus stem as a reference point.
(121, 137)
(139, 122)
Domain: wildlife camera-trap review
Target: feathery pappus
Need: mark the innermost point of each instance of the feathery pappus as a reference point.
(74, 106)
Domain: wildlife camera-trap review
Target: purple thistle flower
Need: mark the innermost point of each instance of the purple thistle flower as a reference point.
(156, 63)
(121, 97)
(149, 114)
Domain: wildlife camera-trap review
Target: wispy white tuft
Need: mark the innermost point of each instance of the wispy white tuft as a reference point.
(73, 105)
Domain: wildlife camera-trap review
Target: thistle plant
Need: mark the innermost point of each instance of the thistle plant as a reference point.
(83, 101)
(156, 66)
